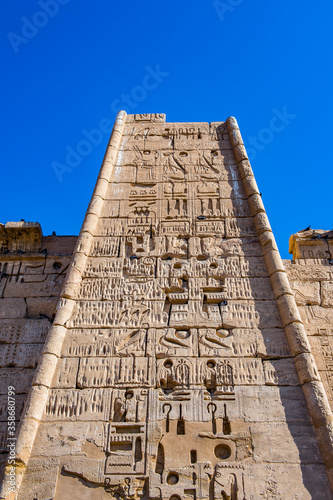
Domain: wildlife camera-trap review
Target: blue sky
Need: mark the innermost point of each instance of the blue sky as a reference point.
(68, 65)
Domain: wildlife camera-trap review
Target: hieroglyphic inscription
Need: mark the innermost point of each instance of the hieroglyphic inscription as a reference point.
(175, 357)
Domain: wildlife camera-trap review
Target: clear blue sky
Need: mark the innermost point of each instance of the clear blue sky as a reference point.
(68, 64)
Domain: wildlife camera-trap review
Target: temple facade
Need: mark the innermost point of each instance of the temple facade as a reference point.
(167, 352)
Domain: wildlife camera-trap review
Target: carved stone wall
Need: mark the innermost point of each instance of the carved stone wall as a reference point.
(177, 366)
(311, 276)
(32, 272)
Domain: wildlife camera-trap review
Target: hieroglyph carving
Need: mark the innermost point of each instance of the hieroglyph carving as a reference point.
(174, 352)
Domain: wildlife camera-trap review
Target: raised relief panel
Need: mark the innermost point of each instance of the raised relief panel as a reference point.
(129, 405)
(208, 190)
(98, 267)
(175, 379)
(143, 268)
(171, 342)
(140, 196)
(253, 266)
(216, 247)
(178, 375)
(115, 372)
(229, 482)
(309, 270)
(137, 152)
(316, 319)
(105, 342)
(218, 132)
(178, 228)
(126, 449)
(151, 117)
(210, 228)
(232, 247)
(235, 208)
(248, 288)
(322, 349)
(236, 342)
(138, 246)
(129, 313)
(112, 227)
(175, 207)
(101, 288)
(167, 247)
(174, 173)
(205, 170)
(139, 224)
(146, 163)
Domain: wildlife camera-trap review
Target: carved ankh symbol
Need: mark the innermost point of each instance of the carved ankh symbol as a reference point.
(213, 406)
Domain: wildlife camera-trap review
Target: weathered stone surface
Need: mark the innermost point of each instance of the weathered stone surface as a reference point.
(20, 378)
(13, 308)
(42, 307)
(284, 443)
(327, 294)
(40, 480)
(167, 373)
(306, 293)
